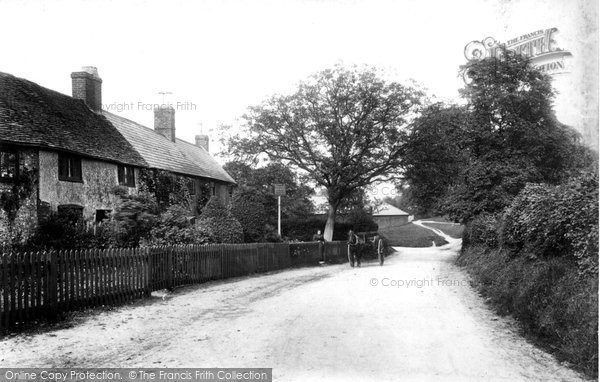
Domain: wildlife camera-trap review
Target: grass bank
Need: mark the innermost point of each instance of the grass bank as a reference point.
(453, 230)
(556, 306)
(411, 235)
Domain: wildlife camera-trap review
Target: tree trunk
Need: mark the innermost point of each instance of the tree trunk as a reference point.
(328, 233)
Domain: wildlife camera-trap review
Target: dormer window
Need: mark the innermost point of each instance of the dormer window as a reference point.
(126, 176)
(9, 164)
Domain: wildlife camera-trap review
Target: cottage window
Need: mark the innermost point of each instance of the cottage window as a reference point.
(102, 215)
(69, 168)
(126, 175)
(71, 212)
(8, 164)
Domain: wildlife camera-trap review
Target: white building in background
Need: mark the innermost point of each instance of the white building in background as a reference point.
(561, 37)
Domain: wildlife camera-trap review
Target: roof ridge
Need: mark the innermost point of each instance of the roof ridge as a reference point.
(132, 121)
(35, 84)
(194, 145)
(189, 143)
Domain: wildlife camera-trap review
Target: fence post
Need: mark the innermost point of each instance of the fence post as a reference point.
(148, 264)
(5, 313)
(322, 251)
(170, 269)
(52, 286)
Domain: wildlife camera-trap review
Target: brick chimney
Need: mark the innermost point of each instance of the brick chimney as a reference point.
(164, 121)
(87, 86)
(202, 141)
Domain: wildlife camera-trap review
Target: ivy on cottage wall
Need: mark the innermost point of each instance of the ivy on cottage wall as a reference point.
(20, 190)
(172, 189)
(168, 188)
(17, 207)
(160, 212)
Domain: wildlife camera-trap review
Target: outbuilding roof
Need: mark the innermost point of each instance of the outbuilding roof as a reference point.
(32, 115)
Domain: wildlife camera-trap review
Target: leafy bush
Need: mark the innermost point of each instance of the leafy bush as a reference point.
(60, 231)
(360, 221)
(539, 262)
(248, 209)
(546, 295)
(304, 229)
(55, 232)
(551, 221)
(482, 230)
(135, 216)
(217, 218)
(271, 235)
(175, 226)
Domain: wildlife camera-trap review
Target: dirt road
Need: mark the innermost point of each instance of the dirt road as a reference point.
(415, 318)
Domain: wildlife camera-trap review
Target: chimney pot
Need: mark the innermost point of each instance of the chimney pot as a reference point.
(202, 141)
(91, 70)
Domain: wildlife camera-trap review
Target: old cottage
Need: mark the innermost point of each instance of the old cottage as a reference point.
(65, 153)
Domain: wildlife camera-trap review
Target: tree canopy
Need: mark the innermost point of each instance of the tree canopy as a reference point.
(433, 156)
(344, 128)
(254, 203)
(472, 160)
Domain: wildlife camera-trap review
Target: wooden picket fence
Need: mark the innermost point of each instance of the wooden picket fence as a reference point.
(40, 285)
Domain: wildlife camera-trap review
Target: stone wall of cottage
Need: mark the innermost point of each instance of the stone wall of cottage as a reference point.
(25, 221)
(96, 192)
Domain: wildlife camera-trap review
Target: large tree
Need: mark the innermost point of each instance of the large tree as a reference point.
(254, 203)
(342, 127)
(507, 136)
(434, 155)
(259, 181)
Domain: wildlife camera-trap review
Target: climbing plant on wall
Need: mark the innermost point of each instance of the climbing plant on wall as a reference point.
(169, 188)
(20, 189)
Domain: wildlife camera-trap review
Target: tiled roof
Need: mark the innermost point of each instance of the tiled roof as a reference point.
(159, 152)
(35, 116)
(204, 161)
(389, 210)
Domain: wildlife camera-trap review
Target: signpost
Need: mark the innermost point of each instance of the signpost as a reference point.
(279, 192)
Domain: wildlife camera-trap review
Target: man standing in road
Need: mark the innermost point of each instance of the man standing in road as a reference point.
(353, 255)
(319, 237)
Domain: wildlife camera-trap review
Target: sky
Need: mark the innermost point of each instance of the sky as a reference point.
(219, 57)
